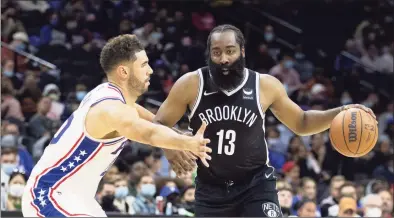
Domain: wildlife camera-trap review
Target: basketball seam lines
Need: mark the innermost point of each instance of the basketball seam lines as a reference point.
(361, 135)
(343, 132)
(372, 144)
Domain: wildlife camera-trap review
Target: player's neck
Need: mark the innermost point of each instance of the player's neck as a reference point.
(130, 97)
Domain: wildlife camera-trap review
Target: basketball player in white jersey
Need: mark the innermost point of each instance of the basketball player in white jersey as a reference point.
(65, 180)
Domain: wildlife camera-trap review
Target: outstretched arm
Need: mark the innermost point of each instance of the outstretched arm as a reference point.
(289, 113)
(124, 119)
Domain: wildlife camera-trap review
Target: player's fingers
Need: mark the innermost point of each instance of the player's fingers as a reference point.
(205, 141)
(204, 162)
(190, 155)
(177, 167)
(205, 149)
(202, 128)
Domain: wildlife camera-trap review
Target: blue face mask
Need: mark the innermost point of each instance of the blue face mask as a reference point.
(8, 168)
(268, 37)
(8, 73)
(148, 190)
(21, 47)
(289, 64)
(80, 95)
(54, 22)
(299, 55)
(121, 192)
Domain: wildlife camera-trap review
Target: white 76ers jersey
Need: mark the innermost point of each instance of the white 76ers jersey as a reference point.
(74, 161)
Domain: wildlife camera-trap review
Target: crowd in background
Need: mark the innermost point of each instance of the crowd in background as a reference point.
(313, 179)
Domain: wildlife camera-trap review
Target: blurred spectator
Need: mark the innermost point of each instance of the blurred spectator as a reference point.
(347, 207)
(291, 174)
(20, 42)
(15, 191)
(371, 59)
(270, 40)
(137, 170)
(387, 206)
(112, 174)
(10, 106)
(106, 196)
(285, 197)
(170, 193)
(147, 34)
(53, 32)
(187, 199)
(52, 91)
(123, 200)
(348, 189)
(263, 62)
(203, 21)
(31, 5)
(372, 205)
(13, 140)
(335, 185)
(40, 123)
(8, 71)
(306, 208)
(10, 23)
(286, 73)
(386, 170)
(144, 202)
(303, 65)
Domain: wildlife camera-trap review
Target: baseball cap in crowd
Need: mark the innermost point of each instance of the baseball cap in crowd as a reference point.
(166, 191)
(346, 204)
(288, 166)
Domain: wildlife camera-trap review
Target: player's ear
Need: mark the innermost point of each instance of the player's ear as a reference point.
(123, 71)
(243, 52)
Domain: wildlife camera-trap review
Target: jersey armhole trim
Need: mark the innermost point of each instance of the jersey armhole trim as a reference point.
(198, 99)
(106, 98)
(259, 106)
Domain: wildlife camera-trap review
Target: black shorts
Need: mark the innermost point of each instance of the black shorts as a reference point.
(255, 197)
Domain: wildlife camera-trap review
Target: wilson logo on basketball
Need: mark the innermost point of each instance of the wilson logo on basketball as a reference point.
(353, 127)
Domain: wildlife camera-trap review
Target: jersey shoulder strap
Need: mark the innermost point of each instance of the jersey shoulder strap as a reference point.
(105, 91)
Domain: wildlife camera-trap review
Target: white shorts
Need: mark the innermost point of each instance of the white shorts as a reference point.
(46, 202)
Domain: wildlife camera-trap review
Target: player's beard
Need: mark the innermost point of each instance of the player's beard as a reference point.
(136, 85)
(234, 76)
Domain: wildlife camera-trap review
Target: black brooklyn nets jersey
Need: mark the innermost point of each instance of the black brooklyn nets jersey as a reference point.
(235, 127)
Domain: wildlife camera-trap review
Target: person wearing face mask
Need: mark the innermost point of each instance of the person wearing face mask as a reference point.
(123, 200)
(57, 108)
(287, 74)
(16, 187)
(106, 196)
(144, 202)
(372, 205)
(20, 41)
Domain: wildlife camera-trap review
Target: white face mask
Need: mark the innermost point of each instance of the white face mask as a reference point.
(373, 212)
(16, 190)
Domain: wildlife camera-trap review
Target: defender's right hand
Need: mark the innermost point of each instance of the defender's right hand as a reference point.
(198, 145)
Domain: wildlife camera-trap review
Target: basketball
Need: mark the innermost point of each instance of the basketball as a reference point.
(353, 132)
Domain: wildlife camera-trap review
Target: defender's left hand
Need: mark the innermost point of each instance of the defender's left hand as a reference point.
(360, 106)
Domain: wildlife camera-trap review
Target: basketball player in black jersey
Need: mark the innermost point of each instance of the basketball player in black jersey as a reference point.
(233, 100)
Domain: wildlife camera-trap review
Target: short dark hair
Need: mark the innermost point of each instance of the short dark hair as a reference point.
(119, 49)
(239, 36)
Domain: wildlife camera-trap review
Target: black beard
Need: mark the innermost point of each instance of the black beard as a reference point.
(234, 76)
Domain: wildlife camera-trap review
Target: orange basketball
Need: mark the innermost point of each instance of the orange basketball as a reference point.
(353, 132)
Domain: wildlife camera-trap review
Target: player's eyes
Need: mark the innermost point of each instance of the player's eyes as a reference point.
(230, 52)
(216, 53)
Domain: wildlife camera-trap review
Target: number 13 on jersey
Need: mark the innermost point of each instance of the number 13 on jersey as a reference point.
(230, 136)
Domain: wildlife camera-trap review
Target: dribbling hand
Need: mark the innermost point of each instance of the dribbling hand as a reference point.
(198, 145)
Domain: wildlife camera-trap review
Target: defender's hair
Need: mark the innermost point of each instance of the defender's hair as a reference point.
(119, 49)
